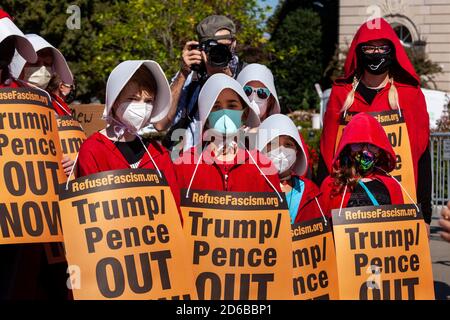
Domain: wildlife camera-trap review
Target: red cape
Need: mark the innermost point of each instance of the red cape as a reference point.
(363, 128)
(411, 99)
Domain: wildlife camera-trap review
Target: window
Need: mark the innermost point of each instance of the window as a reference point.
(403, 34)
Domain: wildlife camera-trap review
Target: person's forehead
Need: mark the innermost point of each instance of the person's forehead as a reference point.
(132, 88)
(378, 42)
(222, 32)
(228, 94)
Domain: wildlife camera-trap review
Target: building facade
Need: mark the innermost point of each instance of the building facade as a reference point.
(420, 24)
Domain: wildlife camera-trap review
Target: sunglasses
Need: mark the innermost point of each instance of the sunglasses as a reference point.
(380, 49)
(356, 147)
(262, 93)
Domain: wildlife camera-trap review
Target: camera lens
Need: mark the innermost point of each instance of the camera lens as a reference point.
(219, 55)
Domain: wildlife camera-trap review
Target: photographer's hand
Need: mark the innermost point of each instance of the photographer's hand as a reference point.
(190, 57)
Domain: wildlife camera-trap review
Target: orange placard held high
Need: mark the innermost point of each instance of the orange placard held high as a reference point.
(239, 244)
(71, 135)
(314, 258)
(123, 237)
(382, 253)
(30, 166)
(397, 132)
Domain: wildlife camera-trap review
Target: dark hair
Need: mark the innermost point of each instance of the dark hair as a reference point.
(54, 83)
(347, 173)
(7, 47)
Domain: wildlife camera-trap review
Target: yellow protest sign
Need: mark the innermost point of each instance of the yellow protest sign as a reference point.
(382, 253)
(122, 231)
(71, 135)
(397, 133)
(314, 258)
(30, 156)
(239, 245)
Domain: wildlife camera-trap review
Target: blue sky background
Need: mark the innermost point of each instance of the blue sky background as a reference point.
(272, 3)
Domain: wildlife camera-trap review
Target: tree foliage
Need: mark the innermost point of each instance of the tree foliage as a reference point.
(297, 58)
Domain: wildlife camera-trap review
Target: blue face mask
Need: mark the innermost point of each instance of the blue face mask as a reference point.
(225, 121)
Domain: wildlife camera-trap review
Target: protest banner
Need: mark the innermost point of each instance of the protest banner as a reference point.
(397, 132)
(122, 231)
(314, 258)
(382, 253)
(30, 164)
(239, 244)
(71, 135)
(89, 116)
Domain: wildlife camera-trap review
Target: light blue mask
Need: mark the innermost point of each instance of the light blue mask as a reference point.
(225, 121)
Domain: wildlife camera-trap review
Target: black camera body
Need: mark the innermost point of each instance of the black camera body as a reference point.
(219, 55)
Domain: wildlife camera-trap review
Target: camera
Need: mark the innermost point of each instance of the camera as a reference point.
(219, 55)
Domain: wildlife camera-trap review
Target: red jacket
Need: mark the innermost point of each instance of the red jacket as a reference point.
(61, 107)
(241, 176)
(308, 208)
(411, 99)
(363, 128)
(98, 154)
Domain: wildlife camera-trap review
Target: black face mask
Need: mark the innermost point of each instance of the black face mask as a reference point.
(376, 63)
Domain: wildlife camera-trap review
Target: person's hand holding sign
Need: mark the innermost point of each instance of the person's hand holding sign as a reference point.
(444, 222)
(67, 164)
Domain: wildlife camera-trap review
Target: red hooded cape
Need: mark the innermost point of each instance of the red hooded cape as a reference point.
(98, 154)
(411, 99)
(308, 208)
(363, 128)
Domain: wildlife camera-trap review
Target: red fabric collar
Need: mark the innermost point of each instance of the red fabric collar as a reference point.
(154, 149)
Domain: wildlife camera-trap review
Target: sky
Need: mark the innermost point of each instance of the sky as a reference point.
(272, 3)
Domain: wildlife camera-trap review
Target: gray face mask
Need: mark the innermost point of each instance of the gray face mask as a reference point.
(38, 76)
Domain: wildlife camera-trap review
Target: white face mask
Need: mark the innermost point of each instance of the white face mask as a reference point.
(134, 115)
(38, 76)
(283, 158)
(259, 104)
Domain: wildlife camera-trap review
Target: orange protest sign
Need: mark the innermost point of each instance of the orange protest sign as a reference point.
(315, 270)
(71, 135)
(382, 253)
(397, 133)
(239, 244)
(30, 156)
(122, 231)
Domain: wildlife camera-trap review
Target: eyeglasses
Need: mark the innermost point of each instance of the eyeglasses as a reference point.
(262, 93)
(356, 147)
(380, 49)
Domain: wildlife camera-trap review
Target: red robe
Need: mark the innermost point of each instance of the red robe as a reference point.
(411, 99)
(308, 208)
(98, 154)
(363, 128)
(61, 107)
(237, 177)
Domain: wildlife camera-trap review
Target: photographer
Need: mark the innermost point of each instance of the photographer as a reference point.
(213, 53)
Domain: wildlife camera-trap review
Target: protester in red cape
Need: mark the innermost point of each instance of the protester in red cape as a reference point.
(380, 77)
(360, 168)
(221, 161)
(50, 62)
(279, 139)
(24, 270)
(137, 94)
